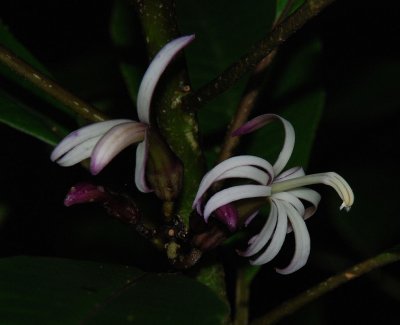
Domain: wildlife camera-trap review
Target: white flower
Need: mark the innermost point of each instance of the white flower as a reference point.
(104, 140)
(284, 190)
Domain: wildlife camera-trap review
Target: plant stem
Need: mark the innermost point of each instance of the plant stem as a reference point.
(242, 298)
(256, 53)
(245, 107)
(329, 284)
(50, 87)
(177, 126)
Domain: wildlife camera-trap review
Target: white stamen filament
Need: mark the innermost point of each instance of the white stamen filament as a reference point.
(332, 179)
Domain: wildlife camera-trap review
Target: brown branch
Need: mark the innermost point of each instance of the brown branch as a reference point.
(245, 107)
(324, 287)
(256, 53)
(40, 81)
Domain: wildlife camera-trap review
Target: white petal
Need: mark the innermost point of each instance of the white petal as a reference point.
(81, 135)
(259, 241)
(140, 168)
(290, 173)
(287, 148)
(214, 174)
(308, 195)
(80, 152)
(233, 194)
(114, 141)
(249, 172)
(302, 239)
(154, 72)
(250, 218)
(288, 145)
(292, 199)
(277, 239)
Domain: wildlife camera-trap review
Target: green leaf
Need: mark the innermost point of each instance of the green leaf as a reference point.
(124, 36)
(281, 4)
(36, 290)
(21, 117)
(224, 31)
(8, 41)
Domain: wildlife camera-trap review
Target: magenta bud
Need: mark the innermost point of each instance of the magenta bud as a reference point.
(117, 205)
(228, 215)
(85, 193)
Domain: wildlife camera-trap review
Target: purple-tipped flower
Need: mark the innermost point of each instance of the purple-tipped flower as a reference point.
(284, 191)
(103, 141)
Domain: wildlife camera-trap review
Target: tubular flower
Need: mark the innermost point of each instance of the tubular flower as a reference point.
(104, 140)
(284, 191)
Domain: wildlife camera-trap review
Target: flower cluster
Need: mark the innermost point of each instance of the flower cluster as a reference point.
(284, 191)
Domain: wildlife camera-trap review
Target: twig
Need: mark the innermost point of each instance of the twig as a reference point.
(329, 284)
(245, 107)
(50, 87)
(256, 53)
(242, 298)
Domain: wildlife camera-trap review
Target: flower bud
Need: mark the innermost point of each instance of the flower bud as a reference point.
(117, 205)
(163, 170)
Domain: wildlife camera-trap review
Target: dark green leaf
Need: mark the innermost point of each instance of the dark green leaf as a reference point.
(224, 31)
(125, 39)
(11, 43)
(21, 117)
(281, 4)
(298, 101)
(60, 291)
(8, 40)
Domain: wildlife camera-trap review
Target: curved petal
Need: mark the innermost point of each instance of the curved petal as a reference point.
(81, 135)
(302, 238)
(288, 145)
(277, 239)
(140, 168)
(154, 72)
(218, 171)
(80, 152)
(290, 173)
(249, 172)
(308, 195)
(291, 199)
(250, 218)
(257, 242)
(233, 194)
(113, 142)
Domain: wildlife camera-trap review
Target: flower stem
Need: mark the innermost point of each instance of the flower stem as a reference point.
(40, 81)
(329, 284)
(256, 53)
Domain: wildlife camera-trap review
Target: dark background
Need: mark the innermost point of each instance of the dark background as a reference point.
(358, 138)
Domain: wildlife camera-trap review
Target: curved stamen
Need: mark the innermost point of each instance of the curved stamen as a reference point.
(332, 179)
